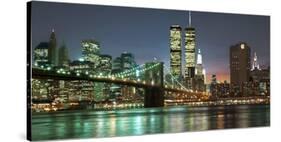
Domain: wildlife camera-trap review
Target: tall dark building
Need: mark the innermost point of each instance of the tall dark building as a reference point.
(189, 54)
(52, 50)
(175, 50)
(117, 65)
(125, 62)
(240, 64)
(63, 56)
(105, 68)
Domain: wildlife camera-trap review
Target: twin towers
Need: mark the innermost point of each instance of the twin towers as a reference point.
(191, 67)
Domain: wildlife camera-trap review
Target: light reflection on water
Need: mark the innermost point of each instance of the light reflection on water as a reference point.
(87, 124)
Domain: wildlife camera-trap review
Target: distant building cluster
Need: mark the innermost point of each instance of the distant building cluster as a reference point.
(186, 73)
(124, 62)
(244, 79)
(246, 76)
(49, 57)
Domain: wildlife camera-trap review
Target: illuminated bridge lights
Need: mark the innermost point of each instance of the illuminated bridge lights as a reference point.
(134, 71)
(123, 77)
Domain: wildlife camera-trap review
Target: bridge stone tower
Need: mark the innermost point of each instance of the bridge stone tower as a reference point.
(154, 95)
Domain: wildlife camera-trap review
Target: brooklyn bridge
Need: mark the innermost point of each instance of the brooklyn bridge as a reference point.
(149, 76)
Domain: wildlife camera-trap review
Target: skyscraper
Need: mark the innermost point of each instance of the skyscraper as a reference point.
(52, 50)
(259, 78)
(189, 54)
(125, 62)
(104, 69)
(63, 56)
(239, 64)
(199, 64)
(199, 78)
(91, 51)
(205, 76)
(41, 54)
(105, 63)
(255, 64)
(117, 65)
(82, 89)
(175, 50)
(128, 60)
(260, 81)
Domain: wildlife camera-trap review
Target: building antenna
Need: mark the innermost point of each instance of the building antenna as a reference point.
(189, 20)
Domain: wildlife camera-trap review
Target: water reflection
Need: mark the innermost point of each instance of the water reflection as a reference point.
(146, 121)
(220, 121)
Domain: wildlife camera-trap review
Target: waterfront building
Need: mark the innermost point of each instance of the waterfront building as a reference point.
(39, 90)
(213, 84)
(82, 90)
(221, 90)
(81, 66)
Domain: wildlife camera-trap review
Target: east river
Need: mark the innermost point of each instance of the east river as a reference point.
(91, 124)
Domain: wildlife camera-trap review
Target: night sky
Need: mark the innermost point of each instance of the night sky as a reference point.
(145, 32)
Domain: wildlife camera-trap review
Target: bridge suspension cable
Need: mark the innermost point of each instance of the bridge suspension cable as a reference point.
(133, 71)
(174, 78)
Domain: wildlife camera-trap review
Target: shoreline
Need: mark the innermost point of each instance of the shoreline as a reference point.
(138, 109)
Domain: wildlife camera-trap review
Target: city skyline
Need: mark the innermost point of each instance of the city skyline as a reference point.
(120, 36)
(103, 71)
